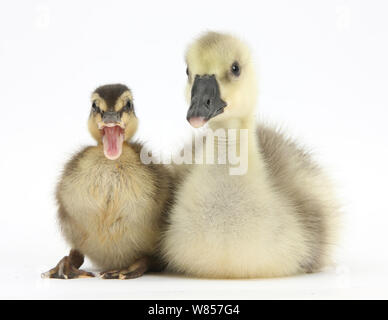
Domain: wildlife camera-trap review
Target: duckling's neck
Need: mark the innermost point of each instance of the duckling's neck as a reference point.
(237, 139)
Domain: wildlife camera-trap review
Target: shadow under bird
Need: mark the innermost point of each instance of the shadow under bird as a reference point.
(110, 204)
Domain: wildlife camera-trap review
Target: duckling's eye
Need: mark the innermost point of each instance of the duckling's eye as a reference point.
(236, 70)
(95, 108)
(128, 106)
(187, 71)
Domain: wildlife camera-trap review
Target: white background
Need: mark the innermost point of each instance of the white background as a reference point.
(323, 76)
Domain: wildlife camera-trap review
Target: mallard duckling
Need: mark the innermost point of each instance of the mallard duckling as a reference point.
(277, 217)
(110, 203)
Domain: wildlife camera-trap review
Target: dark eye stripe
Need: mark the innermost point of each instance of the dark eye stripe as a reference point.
(128, 107)
(96, 109)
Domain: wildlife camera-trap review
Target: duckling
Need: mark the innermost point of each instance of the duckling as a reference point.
(110, 204)
(275, 217)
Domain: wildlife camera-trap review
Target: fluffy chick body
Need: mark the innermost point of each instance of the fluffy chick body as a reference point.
(279, 219)
(111, 210)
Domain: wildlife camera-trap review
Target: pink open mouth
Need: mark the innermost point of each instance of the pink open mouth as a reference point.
(112, 139)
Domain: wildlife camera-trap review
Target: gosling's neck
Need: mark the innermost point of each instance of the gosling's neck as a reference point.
(239, 143)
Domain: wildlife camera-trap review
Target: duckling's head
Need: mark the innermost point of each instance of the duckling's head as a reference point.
(112, 118)
(221, 85)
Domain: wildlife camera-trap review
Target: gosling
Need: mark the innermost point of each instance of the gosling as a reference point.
(275, 217)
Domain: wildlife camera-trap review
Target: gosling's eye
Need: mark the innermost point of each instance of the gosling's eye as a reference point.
(128, 106)
(236, 70)
(187, 71)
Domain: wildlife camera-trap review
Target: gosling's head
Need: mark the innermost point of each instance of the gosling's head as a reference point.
(112, 118)
(221, 86)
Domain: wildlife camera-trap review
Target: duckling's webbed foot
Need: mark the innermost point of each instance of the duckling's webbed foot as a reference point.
(68, 268)
(135, 270)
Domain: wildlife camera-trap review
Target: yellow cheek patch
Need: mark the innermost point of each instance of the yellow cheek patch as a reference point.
(131, 124)
(126, 118)
(93, 128)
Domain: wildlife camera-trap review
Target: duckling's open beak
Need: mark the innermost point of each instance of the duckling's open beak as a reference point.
(206, 102)
(112, 130)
